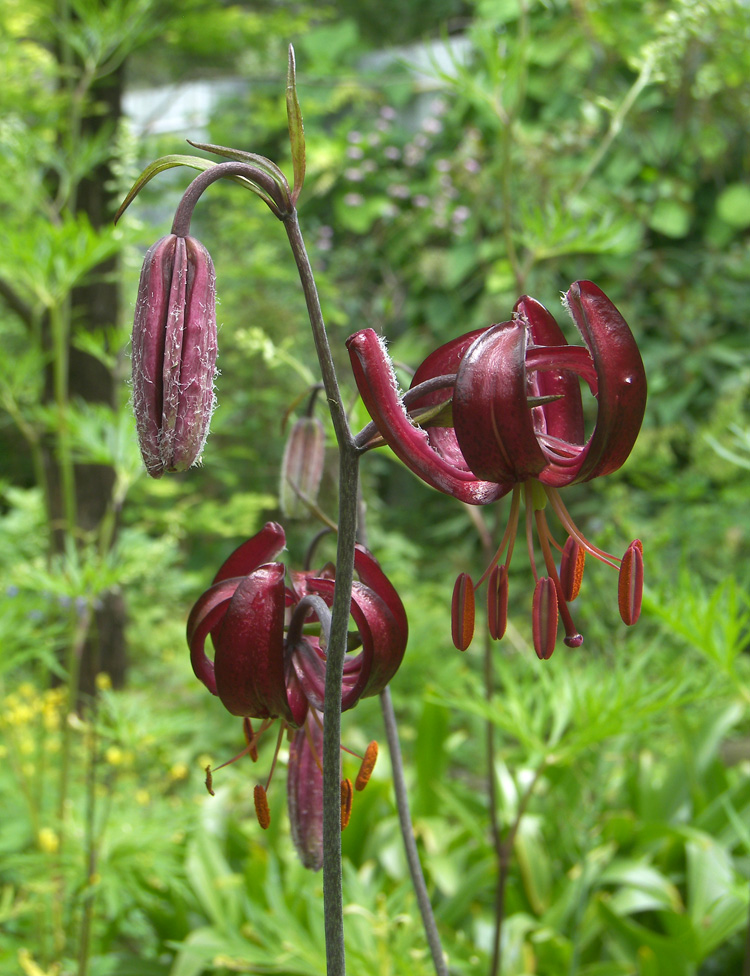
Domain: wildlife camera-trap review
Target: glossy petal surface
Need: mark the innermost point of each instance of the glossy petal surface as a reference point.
(377, 387)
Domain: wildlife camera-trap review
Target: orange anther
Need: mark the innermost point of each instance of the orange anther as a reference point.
(346, 802)
(209, 781)
(368, 764)
(630, 583)
(571, 569)
(261, 807)
(247, 728)
(544, 618)
(462, 612)
(497, 602)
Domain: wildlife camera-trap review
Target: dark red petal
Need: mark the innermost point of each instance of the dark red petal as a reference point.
(491, 416)
(304, 788)
(443, 361)
(571, 569)
(377, 387)
(368, 569)
(249, 659)
(462, 612)
(497, 601)
(562, 418)
(630, 583)
(207, 613)
(622, 380)
(544, 618)
(263, 547)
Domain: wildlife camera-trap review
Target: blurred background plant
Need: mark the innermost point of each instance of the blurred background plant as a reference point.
(459, 154)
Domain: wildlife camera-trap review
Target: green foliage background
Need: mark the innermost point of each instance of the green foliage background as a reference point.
(458, 156)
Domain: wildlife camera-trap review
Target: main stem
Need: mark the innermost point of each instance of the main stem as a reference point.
(347, 530)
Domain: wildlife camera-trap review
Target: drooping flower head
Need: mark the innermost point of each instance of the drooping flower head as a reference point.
(270, 627)
(500, 410)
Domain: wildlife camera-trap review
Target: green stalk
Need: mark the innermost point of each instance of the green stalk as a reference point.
(60, 327)
(347, 530)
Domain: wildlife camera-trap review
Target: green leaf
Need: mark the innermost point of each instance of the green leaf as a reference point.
(671, 218)
(296, 128)
(158, 166)
(733, 205)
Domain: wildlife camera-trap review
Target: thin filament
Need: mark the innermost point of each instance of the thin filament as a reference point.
(508, 539)
(282, 728)
(572, 529)
(249, 747)
(529, 528)
(543, 534)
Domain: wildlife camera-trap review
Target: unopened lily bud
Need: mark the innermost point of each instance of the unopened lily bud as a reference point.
(302, 466)
(174, 353)
(304, 787)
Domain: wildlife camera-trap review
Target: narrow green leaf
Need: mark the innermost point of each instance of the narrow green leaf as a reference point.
(158, 166)
(296, 129)
(262, 162)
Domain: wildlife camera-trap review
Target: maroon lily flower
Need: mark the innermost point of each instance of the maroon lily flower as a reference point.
(270, 629)
(499, 410)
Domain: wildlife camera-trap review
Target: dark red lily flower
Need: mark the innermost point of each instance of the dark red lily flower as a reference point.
(499, 410)
(269, 629)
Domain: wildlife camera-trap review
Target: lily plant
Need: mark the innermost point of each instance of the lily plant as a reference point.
(494, 412)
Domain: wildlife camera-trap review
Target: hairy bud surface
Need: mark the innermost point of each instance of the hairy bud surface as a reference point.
(174, 353)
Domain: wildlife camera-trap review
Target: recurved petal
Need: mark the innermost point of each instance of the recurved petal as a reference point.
(204, 617)
(261, 548)
(377, 386)
(621, 376)
(370, 573)
(383, 637)
(491, 416)
(563, 418)
(443, 361)
(249, 659)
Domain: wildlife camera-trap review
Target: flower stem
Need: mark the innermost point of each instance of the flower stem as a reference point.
(347, 529)
(407, 832)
